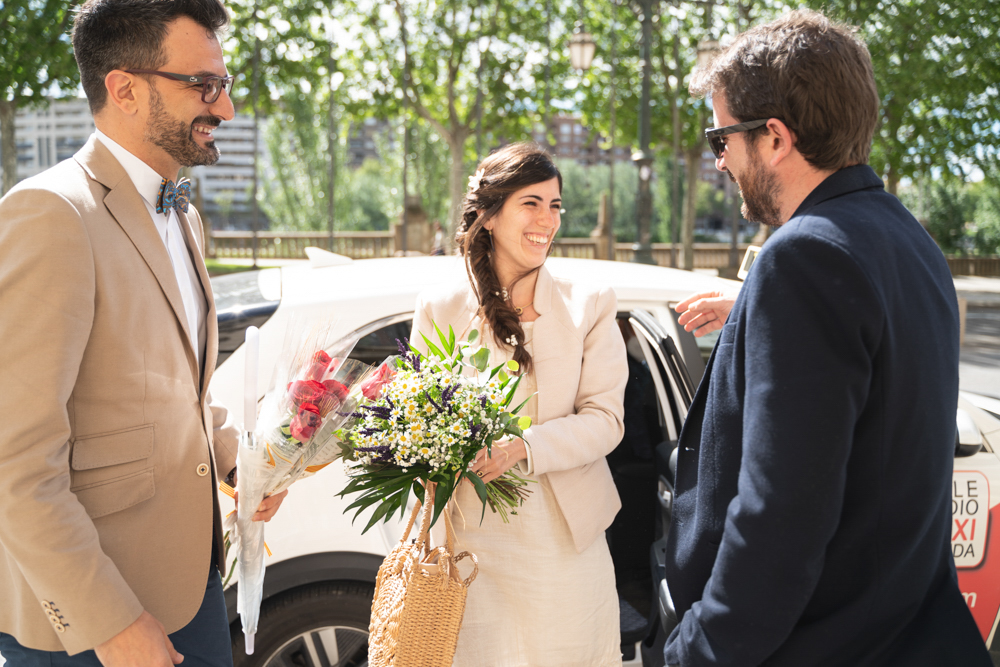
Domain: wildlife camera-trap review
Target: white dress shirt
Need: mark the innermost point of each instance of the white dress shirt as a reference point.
(147, 182)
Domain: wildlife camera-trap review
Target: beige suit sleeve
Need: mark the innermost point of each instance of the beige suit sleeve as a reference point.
(47, 301)
(597, 426)
(225, 437)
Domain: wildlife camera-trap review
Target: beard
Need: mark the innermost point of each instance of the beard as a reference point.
(759, 189)
(176, 137)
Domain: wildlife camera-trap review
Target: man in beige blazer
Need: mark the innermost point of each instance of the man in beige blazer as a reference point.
(110, 446)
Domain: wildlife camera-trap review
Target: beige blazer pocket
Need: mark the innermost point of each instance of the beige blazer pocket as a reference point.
(109, 449)
(105, 489)
(114, 495)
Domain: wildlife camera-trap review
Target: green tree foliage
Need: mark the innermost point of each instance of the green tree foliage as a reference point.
(461, 66)
(944, 206)
(581, 195)
(937, 65)
(36, 60)
(985, 230)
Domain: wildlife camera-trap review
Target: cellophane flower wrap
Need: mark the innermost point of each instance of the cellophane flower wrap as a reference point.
(424, 420)
(314, 391)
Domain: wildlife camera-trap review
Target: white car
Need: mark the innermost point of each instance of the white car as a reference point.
(320, 579)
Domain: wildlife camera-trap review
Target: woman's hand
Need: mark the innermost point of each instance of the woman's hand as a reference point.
(705, 312)
(506, 454)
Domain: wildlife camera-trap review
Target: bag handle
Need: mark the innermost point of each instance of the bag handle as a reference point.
(425, 520)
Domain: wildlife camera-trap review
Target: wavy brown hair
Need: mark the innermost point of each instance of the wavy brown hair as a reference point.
(504, 172)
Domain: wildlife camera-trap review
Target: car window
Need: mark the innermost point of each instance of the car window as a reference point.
(240, 302)
(376, 345)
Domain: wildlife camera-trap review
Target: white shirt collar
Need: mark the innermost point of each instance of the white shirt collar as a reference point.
(144, 177)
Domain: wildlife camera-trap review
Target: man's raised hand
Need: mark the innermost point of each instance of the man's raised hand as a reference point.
(705, 312)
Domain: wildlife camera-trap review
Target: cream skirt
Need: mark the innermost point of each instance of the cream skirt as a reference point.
(536, 601)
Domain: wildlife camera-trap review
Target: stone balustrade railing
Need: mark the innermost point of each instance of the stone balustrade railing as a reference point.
(367, 245)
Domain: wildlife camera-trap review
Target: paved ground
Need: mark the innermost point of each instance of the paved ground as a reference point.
(979, 363)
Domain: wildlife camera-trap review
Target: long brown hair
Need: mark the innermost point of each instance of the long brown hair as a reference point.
(502, 173)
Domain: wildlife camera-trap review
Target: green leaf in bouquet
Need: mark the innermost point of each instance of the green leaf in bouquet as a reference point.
(481, 359)
(445, 344)
(473, 335)
(431, 347)
(406, 498)
(513, 366)
(523, 403)
(441, 496)
(451, 339)
(480, 490)
(524, 423)
(380, 512)
(510, 391)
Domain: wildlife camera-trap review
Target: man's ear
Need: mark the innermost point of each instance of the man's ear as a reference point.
(781, 141)
(122, 92)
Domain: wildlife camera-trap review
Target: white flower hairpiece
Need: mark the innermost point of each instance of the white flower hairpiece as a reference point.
(474, 180)
(512, 340)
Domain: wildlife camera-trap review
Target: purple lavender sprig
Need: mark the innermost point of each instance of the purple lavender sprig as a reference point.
(433, 402)
(381, 452)
(379, 411)
(408, 355)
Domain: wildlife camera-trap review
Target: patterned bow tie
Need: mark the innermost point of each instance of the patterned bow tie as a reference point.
(173, 196)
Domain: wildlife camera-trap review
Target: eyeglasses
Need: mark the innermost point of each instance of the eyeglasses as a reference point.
(715, 134)
(211, 86)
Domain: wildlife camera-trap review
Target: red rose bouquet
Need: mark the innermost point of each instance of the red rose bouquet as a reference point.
(314, 391)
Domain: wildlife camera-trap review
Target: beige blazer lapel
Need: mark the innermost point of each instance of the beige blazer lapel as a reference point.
(126, 205)
(546, 328)
(211, 319)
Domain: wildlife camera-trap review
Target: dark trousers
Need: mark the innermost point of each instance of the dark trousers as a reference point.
(204, 642)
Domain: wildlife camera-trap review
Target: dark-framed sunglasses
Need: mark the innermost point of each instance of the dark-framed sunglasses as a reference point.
(211, 86)
(715, 134)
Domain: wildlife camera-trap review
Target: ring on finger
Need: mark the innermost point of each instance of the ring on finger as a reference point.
(479, 473)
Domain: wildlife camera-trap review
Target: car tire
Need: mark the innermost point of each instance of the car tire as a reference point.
(319, 625)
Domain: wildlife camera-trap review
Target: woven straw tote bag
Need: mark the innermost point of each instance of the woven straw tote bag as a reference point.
(419, 598)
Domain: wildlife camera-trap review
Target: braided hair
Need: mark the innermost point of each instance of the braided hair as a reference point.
(499, 175)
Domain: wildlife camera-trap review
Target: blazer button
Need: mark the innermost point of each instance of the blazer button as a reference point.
(202, 469)
(46, 605)
(60, 627)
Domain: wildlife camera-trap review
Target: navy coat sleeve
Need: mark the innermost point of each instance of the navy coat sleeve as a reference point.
(809, 315)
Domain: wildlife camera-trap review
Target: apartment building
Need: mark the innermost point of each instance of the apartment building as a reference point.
(52, 133)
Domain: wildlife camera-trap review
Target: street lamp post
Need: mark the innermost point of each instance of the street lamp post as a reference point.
(643, 248)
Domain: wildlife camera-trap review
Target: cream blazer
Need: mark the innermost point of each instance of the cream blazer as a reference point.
(109, 443)
(581, 369)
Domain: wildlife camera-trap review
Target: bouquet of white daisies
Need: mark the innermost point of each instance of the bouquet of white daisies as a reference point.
(425, 421)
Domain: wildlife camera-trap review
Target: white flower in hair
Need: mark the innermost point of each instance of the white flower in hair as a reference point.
(512, 340)
(474, 180)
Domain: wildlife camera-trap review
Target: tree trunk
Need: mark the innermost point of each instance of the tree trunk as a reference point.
(892, 181)
(331, 142)
(692, 157)
(8, 144)
(457, 181)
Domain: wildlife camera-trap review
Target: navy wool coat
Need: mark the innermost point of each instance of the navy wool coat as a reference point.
(812, 513)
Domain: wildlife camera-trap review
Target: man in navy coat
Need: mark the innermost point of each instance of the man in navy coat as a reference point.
(812, 516)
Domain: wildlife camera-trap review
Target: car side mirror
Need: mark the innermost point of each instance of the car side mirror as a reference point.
(968, 439)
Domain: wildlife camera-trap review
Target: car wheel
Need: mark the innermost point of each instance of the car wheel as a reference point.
(320, 625)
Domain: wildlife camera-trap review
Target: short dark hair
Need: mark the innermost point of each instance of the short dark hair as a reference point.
(129, 34)
(501, 174)
(812, 74)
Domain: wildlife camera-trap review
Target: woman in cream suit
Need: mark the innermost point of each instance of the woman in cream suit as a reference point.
(545, 594)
